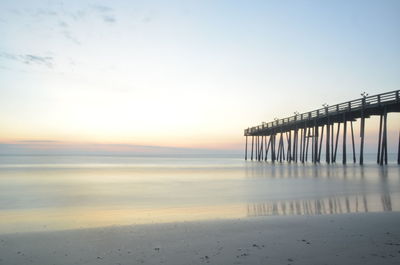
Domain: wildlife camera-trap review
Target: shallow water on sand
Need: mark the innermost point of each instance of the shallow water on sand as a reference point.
(63, 192)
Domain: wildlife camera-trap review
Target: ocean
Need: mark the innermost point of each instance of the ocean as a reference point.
(45, 193)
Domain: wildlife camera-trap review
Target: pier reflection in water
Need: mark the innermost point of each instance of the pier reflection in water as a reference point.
(323, 189)
(332, 205)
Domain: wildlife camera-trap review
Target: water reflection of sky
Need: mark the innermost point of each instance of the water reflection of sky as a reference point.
(49, 195)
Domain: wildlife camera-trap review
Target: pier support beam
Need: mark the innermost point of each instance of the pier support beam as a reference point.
(265, 144)
(352, 141)
(308, 140)
(384, 139)
(287, 149)
(336, 143)
(245, 150)
(257, 146)
(327, 148)
(378, 158)
(290, 149)
(344, 138)
(278, 152)
(275, 155)
(252, 146)
(261, 152)
(267, 147)
(362, 133)
(316, 135)
(320, 143)
(296, 145)
(271, 139)
(282, 152)
(303, 143)
(273, 148)
(398, 151)
(262, 147)
(312, 144)
(332, 140)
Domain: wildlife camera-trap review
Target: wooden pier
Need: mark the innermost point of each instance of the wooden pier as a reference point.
(292, 138)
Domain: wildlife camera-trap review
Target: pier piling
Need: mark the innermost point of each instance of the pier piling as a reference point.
(362, 131)
(327, 148)
(352, 142)
(398, 151)
(344, 138)
(320, 143)
(252, 146)
(378, 158)
(336, 142)
(245, 150)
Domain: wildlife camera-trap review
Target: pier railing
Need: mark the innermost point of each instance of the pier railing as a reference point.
(353, 105)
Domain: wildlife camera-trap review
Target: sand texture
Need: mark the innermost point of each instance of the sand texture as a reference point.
(367, 238)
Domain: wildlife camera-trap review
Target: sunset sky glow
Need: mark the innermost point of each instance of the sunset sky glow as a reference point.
(186, 74)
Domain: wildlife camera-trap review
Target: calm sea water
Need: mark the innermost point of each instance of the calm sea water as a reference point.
(66, 192)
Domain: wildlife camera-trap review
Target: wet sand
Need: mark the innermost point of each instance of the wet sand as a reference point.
(365, 238)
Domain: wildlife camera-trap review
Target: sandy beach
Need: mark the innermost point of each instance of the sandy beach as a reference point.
(365, 238)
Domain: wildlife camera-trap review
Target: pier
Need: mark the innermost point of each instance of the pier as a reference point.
(301, 137)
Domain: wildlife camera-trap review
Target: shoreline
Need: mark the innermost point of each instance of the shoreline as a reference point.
(355, 238)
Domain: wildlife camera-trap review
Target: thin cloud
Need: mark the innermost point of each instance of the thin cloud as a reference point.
(63, 24)
(44, 60)
(45, 12)
(76, 15)
(109, 19)
(37, 141)
(106, 13)
(102, 9)
(69, 36)
(147, 19)
(29, 59)
(8, 56)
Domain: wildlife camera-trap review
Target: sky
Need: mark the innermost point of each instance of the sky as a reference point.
(184, 74)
